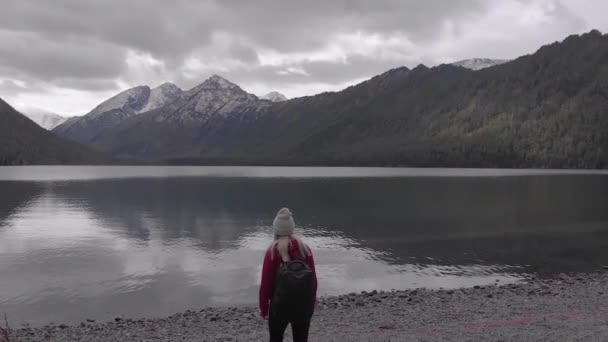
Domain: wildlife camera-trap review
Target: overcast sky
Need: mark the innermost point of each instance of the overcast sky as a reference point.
(67, 56)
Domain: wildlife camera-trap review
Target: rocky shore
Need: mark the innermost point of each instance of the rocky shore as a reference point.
(563, 308)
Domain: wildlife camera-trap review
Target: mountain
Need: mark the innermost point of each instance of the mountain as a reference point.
(23, 142)
(479, 63)
(547, 109)
(179, 127)
(274, 96)
(126, 104)
(43, 118)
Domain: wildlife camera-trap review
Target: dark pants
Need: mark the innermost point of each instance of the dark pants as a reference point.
(299, 320)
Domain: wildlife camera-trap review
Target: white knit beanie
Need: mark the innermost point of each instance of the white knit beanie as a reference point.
(283, 223)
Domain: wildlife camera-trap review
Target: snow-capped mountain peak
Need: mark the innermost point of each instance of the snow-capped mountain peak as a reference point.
(274, 96)
(131, 100)
(479, 63)
(139, 99)
(167, 87)
(118, 108)
(218, 96)
(161, 96)
(218, 82)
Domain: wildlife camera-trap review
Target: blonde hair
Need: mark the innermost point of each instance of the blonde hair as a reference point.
(281, 245)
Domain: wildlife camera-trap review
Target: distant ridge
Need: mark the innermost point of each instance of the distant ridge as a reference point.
(544, 110)
(479, 63)
(43, 118)
(274, 96)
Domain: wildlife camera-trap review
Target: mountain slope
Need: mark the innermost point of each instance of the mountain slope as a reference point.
(43, 118)
(23, 142)
(548, 109)
(111, 112)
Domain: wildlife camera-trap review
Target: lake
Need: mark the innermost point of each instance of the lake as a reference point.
(99, 242)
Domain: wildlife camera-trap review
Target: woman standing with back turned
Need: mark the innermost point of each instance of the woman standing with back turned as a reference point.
(289, 282)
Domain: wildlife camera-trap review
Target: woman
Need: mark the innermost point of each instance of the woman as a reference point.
(289, 282)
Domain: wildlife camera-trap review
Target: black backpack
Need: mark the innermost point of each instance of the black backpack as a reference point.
(294, 284)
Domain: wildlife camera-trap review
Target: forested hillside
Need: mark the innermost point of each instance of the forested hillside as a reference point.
(23, 142)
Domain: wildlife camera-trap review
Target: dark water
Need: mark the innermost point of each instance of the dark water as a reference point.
(97, 242)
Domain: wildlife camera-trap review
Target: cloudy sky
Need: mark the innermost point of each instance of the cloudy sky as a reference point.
(67, 56)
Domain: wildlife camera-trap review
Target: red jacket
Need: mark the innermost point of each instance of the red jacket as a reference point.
(269, 273)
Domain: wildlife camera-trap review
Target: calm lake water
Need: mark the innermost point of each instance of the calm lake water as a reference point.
(98, 242)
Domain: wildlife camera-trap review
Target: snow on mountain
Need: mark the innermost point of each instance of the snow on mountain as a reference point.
(161, 96)
(274, 96)
(218, 82)
(203, 113)
(139, 99)
(479, 63)
(118, 108)
(215, 96)
(43, 118)
(131, 100)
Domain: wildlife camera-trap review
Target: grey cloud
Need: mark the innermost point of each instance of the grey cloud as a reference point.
(305, 25)
(51, 60)
(9, 88)
(174, 28)
(244, 53)
(159, 27)
(357, 67)
(562, 22)
(31, 85)
(83, 44)
(421, 20)
(91, 84)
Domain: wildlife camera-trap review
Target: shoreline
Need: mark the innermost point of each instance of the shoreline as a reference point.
(563, 307)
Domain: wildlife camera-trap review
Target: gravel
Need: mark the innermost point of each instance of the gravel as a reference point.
(563, 308)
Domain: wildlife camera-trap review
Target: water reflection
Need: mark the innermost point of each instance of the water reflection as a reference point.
(16, 195)
(154, 246)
